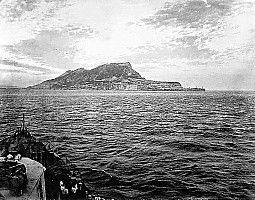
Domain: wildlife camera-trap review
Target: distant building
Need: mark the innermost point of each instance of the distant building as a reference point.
(132, 87)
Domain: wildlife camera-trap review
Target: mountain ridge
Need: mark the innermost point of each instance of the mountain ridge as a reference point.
(110, 76)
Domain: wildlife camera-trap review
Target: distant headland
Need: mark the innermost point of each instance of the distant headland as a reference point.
(9, 87)
(112, 76)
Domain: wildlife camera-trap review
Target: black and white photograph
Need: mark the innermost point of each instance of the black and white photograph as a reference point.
(127, 99)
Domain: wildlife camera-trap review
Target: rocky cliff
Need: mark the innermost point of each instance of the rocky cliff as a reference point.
(80, 78)
(113, 76)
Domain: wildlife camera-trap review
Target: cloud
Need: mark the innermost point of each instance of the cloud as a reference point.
(14, 66)
(54, 48)
(193, 14)
(16, 71)
(17, 9)
(194, 23)
(79, 31)
(18, 77)
(212, 31)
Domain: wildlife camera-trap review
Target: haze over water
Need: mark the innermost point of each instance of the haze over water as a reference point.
(146, 145)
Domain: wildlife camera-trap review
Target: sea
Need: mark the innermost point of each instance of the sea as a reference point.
(145, 145)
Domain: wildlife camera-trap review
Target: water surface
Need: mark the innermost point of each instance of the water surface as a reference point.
(146, 145)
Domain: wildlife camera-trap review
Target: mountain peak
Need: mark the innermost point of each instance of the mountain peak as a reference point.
(117, 70)
(81, 76)
(110, 76)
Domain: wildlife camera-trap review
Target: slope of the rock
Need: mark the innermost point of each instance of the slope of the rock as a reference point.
(107, 72)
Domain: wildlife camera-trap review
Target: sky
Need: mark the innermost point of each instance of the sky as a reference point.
(207, 43)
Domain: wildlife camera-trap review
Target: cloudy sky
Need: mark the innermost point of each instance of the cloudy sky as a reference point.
(207, 43)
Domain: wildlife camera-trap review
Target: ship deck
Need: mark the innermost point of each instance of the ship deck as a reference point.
(35, 185)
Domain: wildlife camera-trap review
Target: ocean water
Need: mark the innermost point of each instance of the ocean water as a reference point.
(146, 145)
